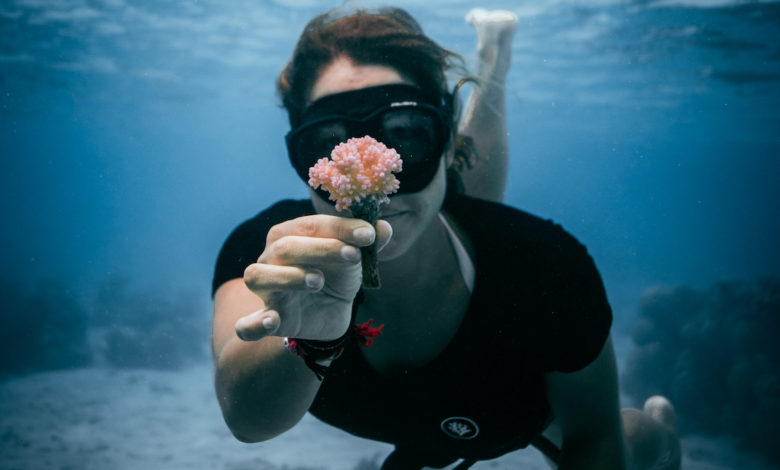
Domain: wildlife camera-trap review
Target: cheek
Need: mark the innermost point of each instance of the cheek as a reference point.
(392, 250)
(323, 206)
(406, 230)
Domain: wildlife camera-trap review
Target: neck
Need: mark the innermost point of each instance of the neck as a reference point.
(418, 325)
(421, 263)
(429, 265)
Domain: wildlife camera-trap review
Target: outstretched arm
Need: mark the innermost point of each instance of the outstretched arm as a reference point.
(263, 390)
(301, 286)
(586, 405)
(484, 117)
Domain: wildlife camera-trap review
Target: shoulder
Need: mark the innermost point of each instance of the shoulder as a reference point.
(262, 222)
(500, 226)
(247, 241)
(550, 279)
(279, 212)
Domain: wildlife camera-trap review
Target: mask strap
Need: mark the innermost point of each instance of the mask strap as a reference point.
(455, 101)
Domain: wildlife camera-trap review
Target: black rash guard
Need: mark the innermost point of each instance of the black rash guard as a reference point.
(538, 305)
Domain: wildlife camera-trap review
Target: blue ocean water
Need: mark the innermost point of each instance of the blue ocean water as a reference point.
(135, 135)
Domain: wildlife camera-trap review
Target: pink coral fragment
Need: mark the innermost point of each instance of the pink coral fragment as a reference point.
(359, 168)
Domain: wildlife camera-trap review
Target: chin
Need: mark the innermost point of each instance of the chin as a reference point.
(407, 229)
(391, 251)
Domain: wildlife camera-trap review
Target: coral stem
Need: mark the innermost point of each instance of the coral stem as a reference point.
(368, 210)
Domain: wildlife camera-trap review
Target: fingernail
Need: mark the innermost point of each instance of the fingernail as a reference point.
(364, 235)
(313, 280)
(269, 323)
(390, 236)
(350, 253)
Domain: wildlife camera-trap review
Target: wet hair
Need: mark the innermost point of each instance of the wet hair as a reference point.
(386, 36)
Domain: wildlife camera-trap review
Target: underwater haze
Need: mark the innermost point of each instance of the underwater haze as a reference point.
(135, 135)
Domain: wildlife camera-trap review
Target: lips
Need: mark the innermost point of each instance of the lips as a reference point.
(390, 215)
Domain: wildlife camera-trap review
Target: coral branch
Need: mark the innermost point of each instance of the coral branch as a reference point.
(359, 177)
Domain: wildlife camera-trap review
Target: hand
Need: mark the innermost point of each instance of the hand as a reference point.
(308, 276)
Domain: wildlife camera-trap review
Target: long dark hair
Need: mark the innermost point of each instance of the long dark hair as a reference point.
(386, 36)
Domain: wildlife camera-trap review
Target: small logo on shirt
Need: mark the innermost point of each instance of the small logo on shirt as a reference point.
(459, 427)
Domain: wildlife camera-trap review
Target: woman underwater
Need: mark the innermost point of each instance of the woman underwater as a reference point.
(496, 323)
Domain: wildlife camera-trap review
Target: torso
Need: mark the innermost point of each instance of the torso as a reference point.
(447, 356)
(481, 357)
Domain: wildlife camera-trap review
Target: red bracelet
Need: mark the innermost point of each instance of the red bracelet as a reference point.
(315, 352)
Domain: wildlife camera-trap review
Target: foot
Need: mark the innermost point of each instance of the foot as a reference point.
(660, 409)
(495, 30)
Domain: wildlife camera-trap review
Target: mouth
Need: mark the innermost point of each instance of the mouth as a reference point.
(392, 214)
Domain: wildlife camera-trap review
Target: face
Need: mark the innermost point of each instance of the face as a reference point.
(409, 214)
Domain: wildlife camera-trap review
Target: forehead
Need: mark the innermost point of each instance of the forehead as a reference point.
(344, 75)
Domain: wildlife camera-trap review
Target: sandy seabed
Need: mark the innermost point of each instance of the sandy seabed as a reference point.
(138, 419)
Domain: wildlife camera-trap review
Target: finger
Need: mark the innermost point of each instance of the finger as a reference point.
(356, 232)
(301, 251)
(384, 232)
(268, 277)
(257, 325)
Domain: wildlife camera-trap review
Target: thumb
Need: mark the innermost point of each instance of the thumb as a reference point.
(384, 232)
(258, 325)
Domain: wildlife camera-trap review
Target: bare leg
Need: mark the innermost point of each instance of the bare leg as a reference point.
(650, 435)
(484, 117)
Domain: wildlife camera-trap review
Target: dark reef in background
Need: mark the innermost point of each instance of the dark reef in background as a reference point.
(714, 353)
(40, 329)
(148, 329)
(49, 327)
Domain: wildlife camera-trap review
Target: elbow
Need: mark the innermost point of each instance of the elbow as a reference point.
(250, 424)
(249, 436)
(243, 436)
(254, 405)
(251, 431)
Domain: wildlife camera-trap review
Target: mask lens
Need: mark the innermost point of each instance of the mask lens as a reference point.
(405, 121)
(315, 142)
(412, 133)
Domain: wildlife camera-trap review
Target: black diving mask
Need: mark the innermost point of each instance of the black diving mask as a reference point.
(400, 116)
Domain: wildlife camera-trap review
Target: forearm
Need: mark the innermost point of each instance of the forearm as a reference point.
(262, 388)
(602, 453)
(585, 403)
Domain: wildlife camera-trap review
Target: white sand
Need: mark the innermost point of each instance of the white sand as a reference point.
(137, 419)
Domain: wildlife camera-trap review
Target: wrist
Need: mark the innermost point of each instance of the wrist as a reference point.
(318, 355)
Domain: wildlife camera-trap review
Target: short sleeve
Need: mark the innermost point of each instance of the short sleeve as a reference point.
(577, 316)
(540, 281)
(247, 242)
